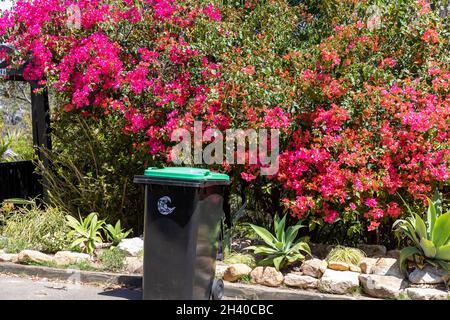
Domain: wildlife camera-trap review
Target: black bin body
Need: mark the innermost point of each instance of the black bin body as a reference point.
(181, 232)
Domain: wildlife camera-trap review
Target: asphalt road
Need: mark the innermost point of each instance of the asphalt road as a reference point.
(21, 288)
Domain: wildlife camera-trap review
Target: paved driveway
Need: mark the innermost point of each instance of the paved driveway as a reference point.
(20, 288)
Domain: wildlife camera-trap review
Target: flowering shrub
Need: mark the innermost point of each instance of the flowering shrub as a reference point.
(379, 122)
(362, 104)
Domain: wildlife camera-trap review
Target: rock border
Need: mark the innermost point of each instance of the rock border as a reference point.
(232, 290)
(259, 292)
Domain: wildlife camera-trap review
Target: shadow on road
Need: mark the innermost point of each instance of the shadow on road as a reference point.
(123, 293)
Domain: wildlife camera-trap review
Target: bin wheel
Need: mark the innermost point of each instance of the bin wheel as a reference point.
(217, 289)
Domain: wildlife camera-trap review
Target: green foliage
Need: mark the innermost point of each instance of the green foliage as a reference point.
(81, 265)
(345, 254)
(430, 238)
(115, 234)
(246, 278)
(3, 243)
(282, 249)
(403, 296)
(15, 245)
(22, 145)
(35, 227)
(25, 225)
(236, 257)
(113, 259)
(86, 232)
(4, 145)
(92, 168)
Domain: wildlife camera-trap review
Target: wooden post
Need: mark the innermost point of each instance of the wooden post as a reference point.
(40, 115)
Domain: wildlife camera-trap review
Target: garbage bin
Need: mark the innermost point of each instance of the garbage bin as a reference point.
(183, 212)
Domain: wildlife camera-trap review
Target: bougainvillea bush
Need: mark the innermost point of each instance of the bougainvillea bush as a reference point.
(359, 92)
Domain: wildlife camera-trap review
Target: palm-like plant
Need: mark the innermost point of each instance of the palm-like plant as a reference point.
(281, 249)
(115, 234)
(431, 238)
(86, 232)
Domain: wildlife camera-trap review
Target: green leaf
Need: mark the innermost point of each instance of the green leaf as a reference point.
(428, 248)
(421, 228)
(441, 230)
(405, 204)
(280, 229)
(444, 265)
(262, 250)
(437, 202)
(294, 258)
(405, 253)
(292, 234)
(77, 242)
(301, 246)
(277, 262)
(431, 217)
(276, 222)
(443, 253)
(267, 261)
(265, 235)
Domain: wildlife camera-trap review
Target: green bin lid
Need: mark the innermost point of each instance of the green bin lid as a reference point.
(185, 173)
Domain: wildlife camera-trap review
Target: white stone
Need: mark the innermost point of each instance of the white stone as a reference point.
(355, 268)
(132, 246)
(367, 264)
(387, 267)
(33, 256)
(267, 276)
(300, 281)
(220, 270)
(382, 286)
(314, 267)
(8, 257)
(339, 282)
(134, 265)
(68, 257)
(235, 271)
(428, 275)
(427, 294)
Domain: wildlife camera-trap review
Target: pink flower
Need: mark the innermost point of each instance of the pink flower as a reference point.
(376, 214)
(247, 176)
(370, 202)
(331, 216)
(212, 12)
(373, 226)
(352, 206)
(275, 118)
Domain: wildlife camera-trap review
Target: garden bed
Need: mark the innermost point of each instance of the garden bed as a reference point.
(376, 276)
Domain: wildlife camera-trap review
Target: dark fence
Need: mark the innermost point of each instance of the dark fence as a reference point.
(18, 180)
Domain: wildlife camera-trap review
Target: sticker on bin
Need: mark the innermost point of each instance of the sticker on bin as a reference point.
(163, 206)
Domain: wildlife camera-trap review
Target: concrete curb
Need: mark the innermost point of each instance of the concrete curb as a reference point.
(232, 290)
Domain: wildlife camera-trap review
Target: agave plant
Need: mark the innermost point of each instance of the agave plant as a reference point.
(115, 234)
(431, 238)
(281, 249)
(86, 232)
